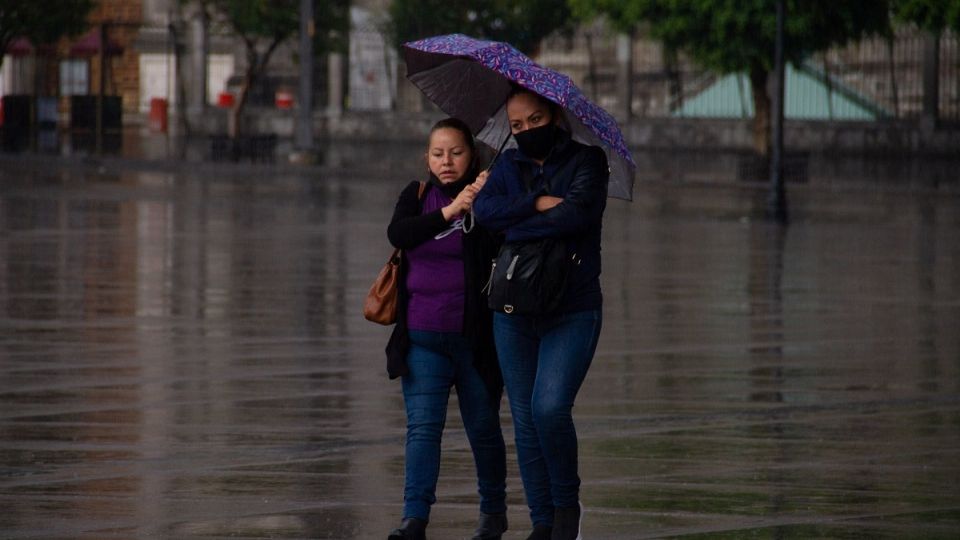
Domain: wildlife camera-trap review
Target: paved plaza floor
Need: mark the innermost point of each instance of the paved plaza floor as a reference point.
(183, 356)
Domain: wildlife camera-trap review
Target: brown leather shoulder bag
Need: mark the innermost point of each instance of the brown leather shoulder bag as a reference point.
(380, 305)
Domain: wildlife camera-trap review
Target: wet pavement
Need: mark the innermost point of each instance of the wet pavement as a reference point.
(182, 355)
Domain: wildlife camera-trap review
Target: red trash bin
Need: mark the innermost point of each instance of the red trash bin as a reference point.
(158, 115)
(283, 99)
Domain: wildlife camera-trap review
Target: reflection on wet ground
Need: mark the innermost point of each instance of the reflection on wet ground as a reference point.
(182, 356)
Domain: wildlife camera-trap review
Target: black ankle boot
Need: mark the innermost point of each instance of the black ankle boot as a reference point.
(566, 523)
(490, 527)
(410, 529)
(540, 532)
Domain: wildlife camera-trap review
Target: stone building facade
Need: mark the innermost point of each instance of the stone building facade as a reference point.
(152, 46)
(121, 20)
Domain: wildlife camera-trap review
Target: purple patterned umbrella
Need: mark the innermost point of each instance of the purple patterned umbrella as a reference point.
(470, 79)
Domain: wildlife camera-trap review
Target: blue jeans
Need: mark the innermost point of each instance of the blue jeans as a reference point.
(437, 361)
(544, 361)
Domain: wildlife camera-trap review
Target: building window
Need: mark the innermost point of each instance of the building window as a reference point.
(74, 77)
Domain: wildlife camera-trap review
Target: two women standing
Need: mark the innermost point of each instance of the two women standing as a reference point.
(549, 187)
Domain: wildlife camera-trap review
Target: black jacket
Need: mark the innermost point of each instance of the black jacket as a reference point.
(575, 172)
(409, 229)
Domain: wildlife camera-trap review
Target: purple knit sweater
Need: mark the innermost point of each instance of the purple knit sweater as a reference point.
(435, 280)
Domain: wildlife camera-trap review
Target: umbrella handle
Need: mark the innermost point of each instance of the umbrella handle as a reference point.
(473, 220)
(495, 156)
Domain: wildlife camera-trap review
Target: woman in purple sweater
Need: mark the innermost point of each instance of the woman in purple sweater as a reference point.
(444, 336)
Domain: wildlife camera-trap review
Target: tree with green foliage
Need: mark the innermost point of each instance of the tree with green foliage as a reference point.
(934, 16)
(522, 23)
(262, 25)
(43, 23)
(731, 36)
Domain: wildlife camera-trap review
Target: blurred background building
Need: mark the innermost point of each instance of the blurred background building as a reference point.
(182, 66)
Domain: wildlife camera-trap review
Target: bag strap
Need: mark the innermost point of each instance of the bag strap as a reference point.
(397, 253)
(420, 191)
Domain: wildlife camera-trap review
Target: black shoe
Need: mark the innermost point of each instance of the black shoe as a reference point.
(490, 527)
(566, 523)
(540, 532)
(410, 529)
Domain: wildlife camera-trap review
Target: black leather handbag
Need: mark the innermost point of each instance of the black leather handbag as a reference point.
(529, 278)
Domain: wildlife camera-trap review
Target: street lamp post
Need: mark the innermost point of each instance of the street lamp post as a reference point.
(777, 199)
(304, 128)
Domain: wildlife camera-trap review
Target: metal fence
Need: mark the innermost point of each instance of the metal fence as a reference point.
(891, 72)
(885, 76)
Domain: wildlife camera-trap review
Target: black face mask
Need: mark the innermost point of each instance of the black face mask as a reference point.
(537, 142)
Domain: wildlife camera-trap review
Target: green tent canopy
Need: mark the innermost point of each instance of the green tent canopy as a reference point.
(807, 94)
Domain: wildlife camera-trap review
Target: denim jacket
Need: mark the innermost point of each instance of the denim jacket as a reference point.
(575, 172)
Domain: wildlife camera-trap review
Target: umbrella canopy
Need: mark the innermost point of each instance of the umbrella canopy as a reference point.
(470, 79)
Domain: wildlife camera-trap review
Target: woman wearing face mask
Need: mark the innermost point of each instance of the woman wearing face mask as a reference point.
(549, 187)
(443, 335)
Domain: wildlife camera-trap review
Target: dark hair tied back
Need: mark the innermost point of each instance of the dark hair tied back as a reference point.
(459, 125)
(516, 89)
